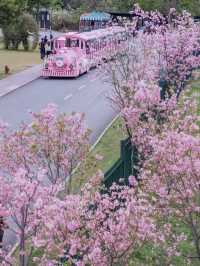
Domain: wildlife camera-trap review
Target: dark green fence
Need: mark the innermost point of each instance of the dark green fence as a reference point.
(124, 167)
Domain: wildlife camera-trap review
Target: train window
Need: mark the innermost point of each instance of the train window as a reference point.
(59, 58)
(71, 43)
(87, 46)
(56, 44)
(94, 45)
(59, 44)
(67, 43)
(82, 45)
(74, 43)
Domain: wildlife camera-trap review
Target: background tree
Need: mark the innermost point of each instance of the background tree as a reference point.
(9, 11)
(24, 196)
(24, 31)
(34, 6)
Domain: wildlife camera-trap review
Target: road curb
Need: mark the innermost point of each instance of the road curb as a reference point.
(104, 132)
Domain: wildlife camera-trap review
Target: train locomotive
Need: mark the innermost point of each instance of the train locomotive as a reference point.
(76, 53)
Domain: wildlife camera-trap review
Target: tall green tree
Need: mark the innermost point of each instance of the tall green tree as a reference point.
(164, 6)
(192, 6)
(10, 10)
(33, 6)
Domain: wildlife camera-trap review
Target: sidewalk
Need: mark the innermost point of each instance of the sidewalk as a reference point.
(19, 79)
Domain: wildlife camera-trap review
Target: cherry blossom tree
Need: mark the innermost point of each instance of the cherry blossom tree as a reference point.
(99, 227)
(96, 228)
(148, 119)
(178, 49)
(166, 54)
(172, 175)
(55, 142)
(24, 198)
(36, 160)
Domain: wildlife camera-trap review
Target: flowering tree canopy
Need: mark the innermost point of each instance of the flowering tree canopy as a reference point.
(54, 142)
(99, 227)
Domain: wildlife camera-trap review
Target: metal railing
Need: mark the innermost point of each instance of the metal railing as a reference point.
(124, 166)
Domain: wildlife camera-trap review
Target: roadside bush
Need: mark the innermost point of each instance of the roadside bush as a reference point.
(28, 32)
(11, 36)
(24, 31)
(62, 20)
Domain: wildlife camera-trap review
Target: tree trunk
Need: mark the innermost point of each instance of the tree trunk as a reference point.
(195, 236)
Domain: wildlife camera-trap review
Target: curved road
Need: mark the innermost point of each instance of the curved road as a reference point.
(87, 94)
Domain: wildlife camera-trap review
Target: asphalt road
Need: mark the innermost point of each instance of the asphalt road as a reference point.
(87, 94)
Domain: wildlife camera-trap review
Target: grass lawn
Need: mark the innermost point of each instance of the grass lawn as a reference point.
(17, 60)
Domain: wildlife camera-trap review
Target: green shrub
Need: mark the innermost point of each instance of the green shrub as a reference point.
(62, 20)
(24, 31)
(11, 36)
(28, 30)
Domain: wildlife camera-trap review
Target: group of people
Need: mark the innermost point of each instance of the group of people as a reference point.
(46, 46)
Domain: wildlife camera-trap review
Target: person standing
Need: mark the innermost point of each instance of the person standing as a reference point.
(42, 49)
(51, 41)
(45, 39)
(48, 49)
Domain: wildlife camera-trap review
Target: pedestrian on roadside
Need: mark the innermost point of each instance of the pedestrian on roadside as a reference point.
(3, 226)
(45, 39)
(48, 49)
(51, 41)
(42, 49)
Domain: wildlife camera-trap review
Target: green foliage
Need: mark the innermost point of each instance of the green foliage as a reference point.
(192, 6)
(165, 5)
(21, 31)
(37, 4)
(63, 19)
(121, 5)
(9, 10)
(28, 28)
(59, 20)
(11, 36)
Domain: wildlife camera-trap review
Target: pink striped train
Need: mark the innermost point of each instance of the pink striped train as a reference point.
(75, 53)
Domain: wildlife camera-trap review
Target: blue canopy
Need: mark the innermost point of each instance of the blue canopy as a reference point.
(96, 16)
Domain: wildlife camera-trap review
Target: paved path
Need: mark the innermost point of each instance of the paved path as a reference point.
(19, 79)
(22, 78)
(85, 94)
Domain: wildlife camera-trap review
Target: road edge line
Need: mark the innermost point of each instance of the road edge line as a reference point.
(104, 132)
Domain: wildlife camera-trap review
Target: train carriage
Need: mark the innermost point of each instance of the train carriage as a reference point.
(75, 53)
